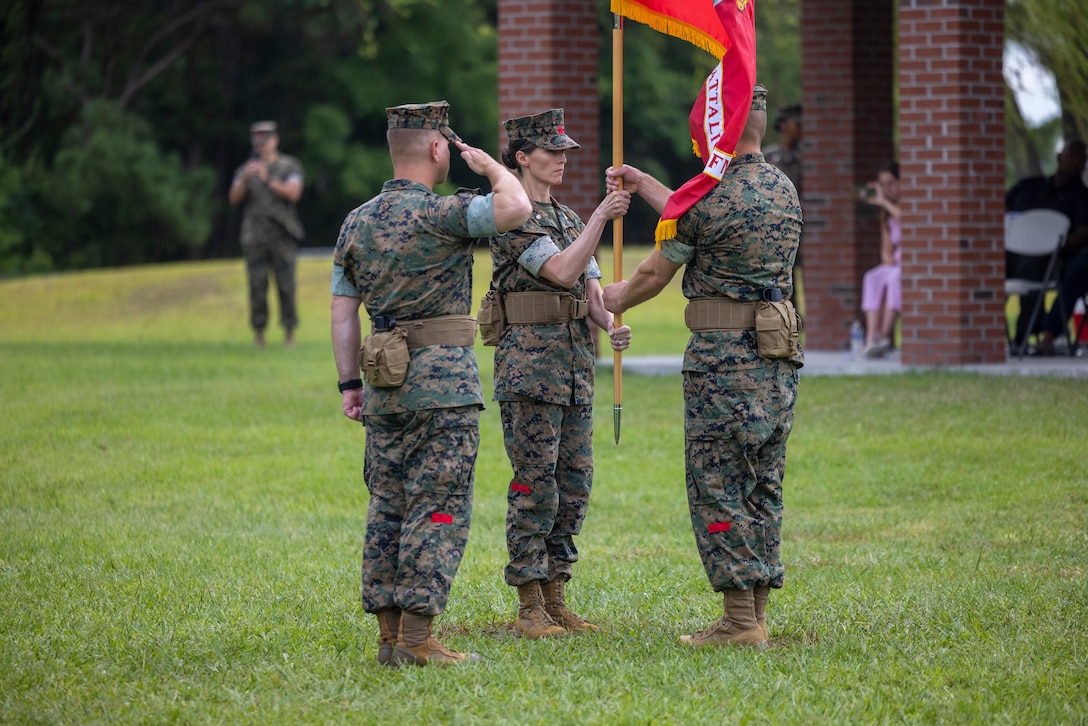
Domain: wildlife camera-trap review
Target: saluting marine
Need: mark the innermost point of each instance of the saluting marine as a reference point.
(406, 256)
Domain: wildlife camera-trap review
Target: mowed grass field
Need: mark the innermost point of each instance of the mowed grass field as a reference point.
(182, 516)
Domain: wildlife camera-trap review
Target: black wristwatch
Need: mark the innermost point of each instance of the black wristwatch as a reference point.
(351, 385)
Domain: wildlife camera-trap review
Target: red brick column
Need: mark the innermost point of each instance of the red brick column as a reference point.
(548, 59)
(952, 140)
(847, 79)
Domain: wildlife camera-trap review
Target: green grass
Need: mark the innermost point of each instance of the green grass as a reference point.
(182, 516)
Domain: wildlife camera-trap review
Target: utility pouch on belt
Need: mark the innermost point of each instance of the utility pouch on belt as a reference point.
(778, 329)
(384, 358)
(492, 319)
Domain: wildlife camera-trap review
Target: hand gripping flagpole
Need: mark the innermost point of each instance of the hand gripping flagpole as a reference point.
(617, 223)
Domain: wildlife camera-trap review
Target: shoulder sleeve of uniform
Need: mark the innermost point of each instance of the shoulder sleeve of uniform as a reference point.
(593, 270)
(481, 216)
(340, 284)
(677, 252)
(536, 254)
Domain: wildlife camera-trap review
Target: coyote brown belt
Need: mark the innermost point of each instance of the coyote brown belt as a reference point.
(526, 308)
(719, 313)
(443, 330)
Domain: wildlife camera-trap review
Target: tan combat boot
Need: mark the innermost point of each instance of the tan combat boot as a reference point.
(737, 627)
(556, 606)
(760, 594)
(533, 620)
(416, 646)
(388, 626)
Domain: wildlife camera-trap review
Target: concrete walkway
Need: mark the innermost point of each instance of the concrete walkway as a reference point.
(832, 363)
(828, 363)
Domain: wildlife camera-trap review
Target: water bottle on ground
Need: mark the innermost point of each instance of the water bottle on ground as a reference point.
(857, 340)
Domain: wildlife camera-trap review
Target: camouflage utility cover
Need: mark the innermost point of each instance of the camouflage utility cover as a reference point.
(433, 115)
(759, 98)
(543, 130)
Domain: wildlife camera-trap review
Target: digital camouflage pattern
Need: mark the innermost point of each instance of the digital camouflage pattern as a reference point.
(759, 98)
(551, 451)
(270, 235)
(789, 161)
(552, 362)
(738, 407)
(544, 383)
(265, 214)
(408, 253)
(433, 115)
(418, 468)
(276, 255)
(544, 130)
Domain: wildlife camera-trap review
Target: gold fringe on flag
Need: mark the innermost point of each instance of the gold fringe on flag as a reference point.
(668, 25)
(666, 229)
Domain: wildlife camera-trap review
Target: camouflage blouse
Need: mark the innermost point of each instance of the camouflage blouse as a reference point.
(547, 362)
(408, 252)
(735, 242)
(265, 214)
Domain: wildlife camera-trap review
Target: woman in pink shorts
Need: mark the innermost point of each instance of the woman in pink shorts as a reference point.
(881, 291)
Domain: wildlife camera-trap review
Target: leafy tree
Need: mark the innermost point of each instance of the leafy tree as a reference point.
(1056, 32)
(101, 102)
(115, 198)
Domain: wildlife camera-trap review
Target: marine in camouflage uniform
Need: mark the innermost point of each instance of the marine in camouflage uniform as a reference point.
(408, 254)
(544, 376)
(736, 243)
(268, 186)
(786, 155)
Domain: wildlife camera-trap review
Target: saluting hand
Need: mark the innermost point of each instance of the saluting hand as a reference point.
(477, 159)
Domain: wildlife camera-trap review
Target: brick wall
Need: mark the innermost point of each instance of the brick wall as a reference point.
(950, 126)
(849, 124)
(548, 59)
(951, 149)
(952, 136)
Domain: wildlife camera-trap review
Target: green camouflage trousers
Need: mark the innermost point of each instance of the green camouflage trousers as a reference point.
(274, 255)
(419, 470)
(551, 451)
(736, 424)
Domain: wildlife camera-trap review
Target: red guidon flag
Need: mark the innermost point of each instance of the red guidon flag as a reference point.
(727, 29)
(695, 21)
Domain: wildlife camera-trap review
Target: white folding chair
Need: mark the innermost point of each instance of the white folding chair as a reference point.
(1038, 234)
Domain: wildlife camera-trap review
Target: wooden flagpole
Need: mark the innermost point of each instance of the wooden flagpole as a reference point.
(617, 223)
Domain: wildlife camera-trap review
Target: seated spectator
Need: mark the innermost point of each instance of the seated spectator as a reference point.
(881, 288)
(1064, 192)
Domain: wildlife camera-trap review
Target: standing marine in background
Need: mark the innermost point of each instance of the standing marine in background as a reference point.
(786, 154)
(548, 282)
(406, 256)
(738, 246)
(269, 186)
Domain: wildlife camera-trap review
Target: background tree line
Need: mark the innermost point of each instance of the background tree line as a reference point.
(122, 121)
